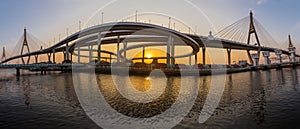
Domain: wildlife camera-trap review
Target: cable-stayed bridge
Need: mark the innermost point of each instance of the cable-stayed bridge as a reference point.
(246, 34)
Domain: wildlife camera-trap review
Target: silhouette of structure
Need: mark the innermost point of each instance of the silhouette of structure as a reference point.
(253, 58)
(25, 46)
(3, 57)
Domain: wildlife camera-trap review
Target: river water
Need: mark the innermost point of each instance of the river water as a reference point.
(257, 99)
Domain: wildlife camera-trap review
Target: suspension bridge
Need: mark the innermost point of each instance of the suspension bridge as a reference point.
(246, 34)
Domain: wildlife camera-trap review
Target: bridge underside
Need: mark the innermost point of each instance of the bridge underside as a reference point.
(115, 33)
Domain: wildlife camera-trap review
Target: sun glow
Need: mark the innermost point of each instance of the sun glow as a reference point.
(150, 53)
(149, 56)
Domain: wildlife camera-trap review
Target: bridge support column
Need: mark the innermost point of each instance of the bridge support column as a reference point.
(228, 56)
(168, 51)
(255, 59)
(53, 56)
(172, 52)
(67, 52)
(78, 52)
(203, 55)
(71, 55)
(278, 53)
(99, 47)
(292, 52)
(266, 55)
(118, 49)
(110, 58)
(43, 71)
(250, 57)
(64, 54)
(143, 55)
(17, 72)
(36, 58)
(190, 60)
(196, 59)
(90, 53)
(125, 51)
(49, 57)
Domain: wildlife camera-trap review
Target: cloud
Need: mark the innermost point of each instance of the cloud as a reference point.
(259, 2)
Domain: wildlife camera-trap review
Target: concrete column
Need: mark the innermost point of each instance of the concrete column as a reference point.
(278, 53)
(53, 55)
(90, 52)
(118, 49)
(266, 55)
(250, 57)
(255, 58)
(36, 58)
(203, 55)
(196, 59)
(172, 51)
(99, 47)
(109, 58)
(49, 57)
(125, 50)
(228, 56)
(190, 60)
(64, 55)
(18, 72)
(292, 52)
(168, 50)
(78, 52)
(67, 52)
(143, 55)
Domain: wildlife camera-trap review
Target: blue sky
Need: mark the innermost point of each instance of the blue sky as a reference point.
(47, 19)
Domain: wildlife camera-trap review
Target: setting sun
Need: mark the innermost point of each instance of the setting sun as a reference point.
(149, 55)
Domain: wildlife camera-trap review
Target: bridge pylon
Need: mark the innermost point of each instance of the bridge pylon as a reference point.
(292, 51)
(25, 44)
(3, 57)
(251, 31)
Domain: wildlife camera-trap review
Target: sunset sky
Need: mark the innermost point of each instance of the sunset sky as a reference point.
(47, 19)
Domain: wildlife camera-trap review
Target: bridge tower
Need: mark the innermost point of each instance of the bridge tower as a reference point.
(292, 50)
(254, 58)
(3, 57)
(25, 44)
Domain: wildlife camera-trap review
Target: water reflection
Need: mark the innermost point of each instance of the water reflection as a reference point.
(280, 77)
(259, 94)
(34, 101)
(295, 81)
(230, 90)
(255, 99)
(26, 89)
(268, 76)
(24, 82)
(134, 109)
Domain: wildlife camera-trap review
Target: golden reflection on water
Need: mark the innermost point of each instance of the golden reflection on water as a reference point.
(134, 109)
(141, 83)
